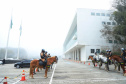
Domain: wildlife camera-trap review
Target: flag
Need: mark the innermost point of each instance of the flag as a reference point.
(11, 23)
(20, 29)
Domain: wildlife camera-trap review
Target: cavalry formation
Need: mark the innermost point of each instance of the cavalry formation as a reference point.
(45, 62)
(109, 59)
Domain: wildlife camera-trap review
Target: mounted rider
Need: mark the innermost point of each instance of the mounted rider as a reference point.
(97, 54)
(108, 54)
(124, 55)
(49, 55)
(46, 56)
(43, 56)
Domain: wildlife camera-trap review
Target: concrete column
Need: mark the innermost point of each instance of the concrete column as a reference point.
(75, 55)
(78, 54)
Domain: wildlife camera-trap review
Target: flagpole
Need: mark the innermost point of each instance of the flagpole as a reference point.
(19, 39)
(8, 36)
(18, 46)
(7, 44)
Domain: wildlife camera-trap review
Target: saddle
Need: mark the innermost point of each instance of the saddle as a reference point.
(124, 58)
(42, 62)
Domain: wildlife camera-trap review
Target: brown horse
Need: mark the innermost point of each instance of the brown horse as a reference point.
(119, 60)
(35, 63)
(93, 60)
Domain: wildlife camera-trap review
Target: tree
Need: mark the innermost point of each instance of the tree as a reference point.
(118, 32)
(2, 53)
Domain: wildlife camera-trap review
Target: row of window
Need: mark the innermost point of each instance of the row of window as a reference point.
(108, 23)
(99, 14)
(112, 41)
(93, 50)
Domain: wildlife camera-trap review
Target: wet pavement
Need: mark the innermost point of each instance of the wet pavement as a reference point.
(66, 72)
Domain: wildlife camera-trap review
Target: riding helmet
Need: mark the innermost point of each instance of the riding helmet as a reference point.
(43, 50)
(123, 49)
(106, 50)
(46, 52)
(109, 50)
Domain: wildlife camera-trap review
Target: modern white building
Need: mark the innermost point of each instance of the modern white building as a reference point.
(84, 36)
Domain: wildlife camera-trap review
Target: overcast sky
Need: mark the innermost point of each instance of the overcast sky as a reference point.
(45, 23)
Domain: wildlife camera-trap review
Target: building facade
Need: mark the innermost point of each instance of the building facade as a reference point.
(84, 36)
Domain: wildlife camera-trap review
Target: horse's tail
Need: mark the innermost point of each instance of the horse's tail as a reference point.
(30, 70)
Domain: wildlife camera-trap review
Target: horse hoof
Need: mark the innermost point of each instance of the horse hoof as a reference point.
(118, 71)
(124, 74)
(31, 77)
(46, 77)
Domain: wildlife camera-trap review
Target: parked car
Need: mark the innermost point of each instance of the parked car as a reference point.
(24, 63)
(1, 62)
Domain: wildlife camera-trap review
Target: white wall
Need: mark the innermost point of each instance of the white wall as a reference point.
(88, 32)
(88, 27)
(83, 53)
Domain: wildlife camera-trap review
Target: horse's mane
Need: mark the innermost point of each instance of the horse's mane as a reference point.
(90, 57)
(116, 57)
(51, 57)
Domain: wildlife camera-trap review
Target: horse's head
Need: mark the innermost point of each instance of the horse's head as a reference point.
(111, 58)
(88, 57)
(115, 57)
(56, 59)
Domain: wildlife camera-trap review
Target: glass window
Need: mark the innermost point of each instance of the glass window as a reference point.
(97, 50)
(113, 23)
(103, 22)
(115, 41)
(108, 15)
(110, 41)
(108, 23)
(97, 14)
(92, 50)
(92, 13)
(102, 14)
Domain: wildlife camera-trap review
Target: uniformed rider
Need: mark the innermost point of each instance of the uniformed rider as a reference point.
(49, 55)
(110, 54)
(42, 54)
(107, 54)
(43, 57)
(46, 56)
(124, 55)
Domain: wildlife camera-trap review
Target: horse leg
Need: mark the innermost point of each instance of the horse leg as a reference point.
(93, 63)
(122, 66)
(118, 67)
(32, 72)
(106, 67)
(46, 70)
(124, 71)
(37, 69)
(51, 66)
(100, 64)
(115, 65)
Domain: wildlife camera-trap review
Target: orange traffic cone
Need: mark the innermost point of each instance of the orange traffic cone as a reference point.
(5, 80)
(89, 63)
(23, 76)
(36, 69)
(84, 62)
(96, 64)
